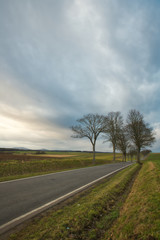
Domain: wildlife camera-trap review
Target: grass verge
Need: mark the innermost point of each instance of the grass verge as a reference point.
(15, 166)
(88, 217)
(140, 215)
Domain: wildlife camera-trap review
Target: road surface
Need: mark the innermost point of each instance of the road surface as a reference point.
(19, 197)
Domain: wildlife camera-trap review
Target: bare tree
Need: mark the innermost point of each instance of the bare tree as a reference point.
(145, 153)
(132, 151)
(123, 142)
(114, 123)
(139, 132)
(90, 126)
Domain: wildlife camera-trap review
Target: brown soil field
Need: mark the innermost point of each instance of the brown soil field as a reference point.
(29, 157)
(52, 155)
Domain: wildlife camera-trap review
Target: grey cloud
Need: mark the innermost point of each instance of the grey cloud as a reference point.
(62, 59)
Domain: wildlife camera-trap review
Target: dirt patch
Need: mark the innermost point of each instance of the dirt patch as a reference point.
(151, 166)
(52, 156)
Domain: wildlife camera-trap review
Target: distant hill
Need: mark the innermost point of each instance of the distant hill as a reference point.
(22, 148)
(14, 149)
(44, 149)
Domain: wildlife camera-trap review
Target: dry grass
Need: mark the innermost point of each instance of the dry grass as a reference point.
(24, 164)
(140, 215)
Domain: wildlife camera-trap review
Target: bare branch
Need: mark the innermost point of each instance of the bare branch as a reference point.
(113, 124)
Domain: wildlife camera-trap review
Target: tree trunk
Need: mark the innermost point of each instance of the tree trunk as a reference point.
(114, 153)
(138, 156)
(94, 153)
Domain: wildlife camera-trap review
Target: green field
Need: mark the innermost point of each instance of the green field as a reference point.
(14, 165)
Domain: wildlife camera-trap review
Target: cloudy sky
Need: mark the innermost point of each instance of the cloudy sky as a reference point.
(62, 59)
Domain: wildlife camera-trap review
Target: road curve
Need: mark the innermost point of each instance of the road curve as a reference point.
(18, 197)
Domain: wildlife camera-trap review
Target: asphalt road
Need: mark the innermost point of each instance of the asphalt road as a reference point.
(22, 196)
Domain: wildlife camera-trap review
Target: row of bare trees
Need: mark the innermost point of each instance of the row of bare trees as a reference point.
(134, 135)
